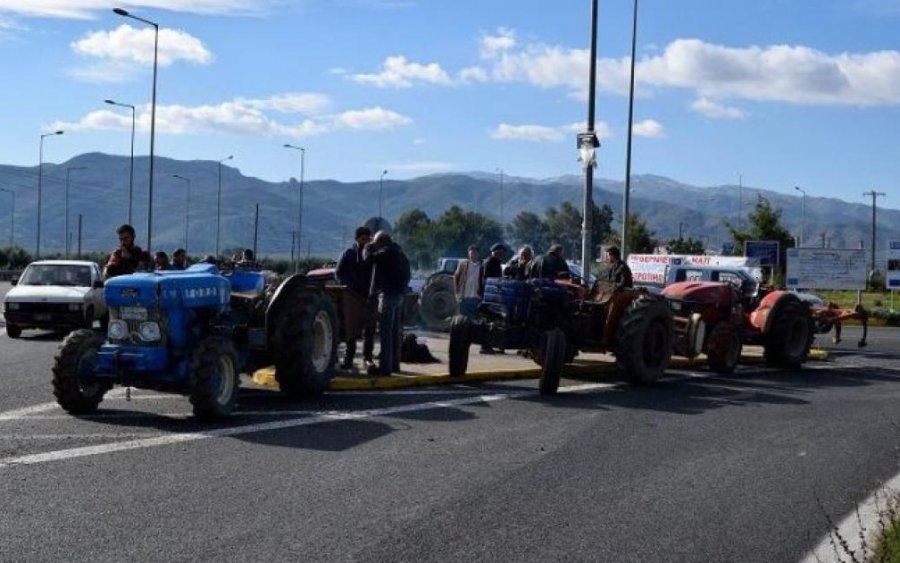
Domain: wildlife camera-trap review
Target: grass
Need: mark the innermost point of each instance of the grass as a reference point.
(870, 299)
(881, 545)
(887, 545)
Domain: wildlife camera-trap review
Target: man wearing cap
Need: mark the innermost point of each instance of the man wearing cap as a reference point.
(551, 265)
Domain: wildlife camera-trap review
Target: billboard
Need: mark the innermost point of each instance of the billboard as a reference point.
(892, 279)
(652, 268)
(826, 268)
(766, 251)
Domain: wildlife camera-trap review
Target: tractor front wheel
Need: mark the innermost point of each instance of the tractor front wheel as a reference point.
(215, 379)
(460, 341)
(643, 345)
(553, 359)
(74, 386)
(723, 348)
(305, 343)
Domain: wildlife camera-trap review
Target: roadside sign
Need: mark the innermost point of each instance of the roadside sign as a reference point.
(764, 250)
(652, 268)
(728, 248)
(826, 268)
(893, 265)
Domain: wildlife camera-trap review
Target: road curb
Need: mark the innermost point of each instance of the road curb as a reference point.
(265, 377)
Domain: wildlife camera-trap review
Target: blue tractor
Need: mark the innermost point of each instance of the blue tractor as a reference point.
(194, 332)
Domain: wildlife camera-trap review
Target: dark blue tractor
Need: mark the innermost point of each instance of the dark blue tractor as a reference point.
(194, 332)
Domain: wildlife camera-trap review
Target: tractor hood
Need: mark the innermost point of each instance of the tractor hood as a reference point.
(196, 287)
(707, 292)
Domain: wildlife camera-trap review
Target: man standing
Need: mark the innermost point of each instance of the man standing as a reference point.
(467, 283)
(551, 265)
(619, 274)
(128, 258)
(179, 259)
(391, 279)
(518, 266)
(356, 274)
(492, 268)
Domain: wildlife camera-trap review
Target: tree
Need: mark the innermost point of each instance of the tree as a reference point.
(456, 229)
(564, 227)
(640, 238)
(764, 224)
(413, 231)
(529, 228)
(685, 246)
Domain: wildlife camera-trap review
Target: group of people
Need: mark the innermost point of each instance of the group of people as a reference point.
(377, 271)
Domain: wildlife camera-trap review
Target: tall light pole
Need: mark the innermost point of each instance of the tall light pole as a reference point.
(37, 252)
(740, 201)
(587, 146)
(68, 170)
(627, 194)
(131, 170)
(12, 218)
(380, 191)
(122, 12)
(500, 170)
(802, 213)
(300, 202)
(187, 210)
(874, 195)
(219, 204)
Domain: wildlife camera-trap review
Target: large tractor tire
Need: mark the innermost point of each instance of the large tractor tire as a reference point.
(305, 343)
(438, 302)
(13, 331)
(553, 359)
(723, 347)
(460, 342)
(643, 344)
(215, 378)
(790, 336)
(73, 368)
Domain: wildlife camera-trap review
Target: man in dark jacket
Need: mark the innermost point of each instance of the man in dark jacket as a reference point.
(353, 272)
(391, 279)
(128, 258)
(551, 265)
(492, 268)
(619, 274)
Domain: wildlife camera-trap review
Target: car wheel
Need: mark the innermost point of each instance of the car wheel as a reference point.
(13, 331)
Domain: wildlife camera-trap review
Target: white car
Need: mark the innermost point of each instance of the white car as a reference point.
(55, 295)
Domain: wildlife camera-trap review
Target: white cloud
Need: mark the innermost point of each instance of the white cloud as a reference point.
(295, 102)
(473, 74)
(419, 142)
(535, 133)
(241, 117)
(126, 43)
(397, 72)
(492, 45)
(89, 9)
(649, 128)
(371, 119)
(715, 110)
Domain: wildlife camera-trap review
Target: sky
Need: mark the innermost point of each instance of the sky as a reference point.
(772, 93)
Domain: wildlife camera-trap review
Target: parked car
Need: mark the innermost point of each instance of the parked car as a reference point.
(55, 295)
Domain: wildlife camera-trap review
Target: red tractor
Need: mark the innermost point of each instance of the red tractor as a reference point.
(717, 318)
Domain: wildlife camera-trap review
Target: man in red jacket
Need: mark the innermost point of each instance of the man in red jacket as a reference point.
(128, 258)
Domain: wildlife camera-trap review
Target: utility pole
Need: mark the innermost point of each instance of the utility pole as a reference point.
(587, 146)
(79, 235)
(874, 195)
(255, 232)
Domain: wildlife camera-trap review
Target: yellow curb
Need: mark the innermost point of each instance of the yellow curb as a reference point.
(265, 377)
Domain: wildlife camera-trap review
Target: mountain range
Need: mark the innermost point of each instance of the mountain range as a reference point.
(98, 186)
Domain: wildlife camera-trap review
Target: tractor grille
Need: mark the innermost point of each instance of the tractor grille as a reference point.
(134, 329)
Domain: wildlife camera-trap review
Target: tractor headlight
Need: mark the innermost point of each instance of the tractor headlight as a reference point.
(118, 330)
(150, 332)
(75, 306)
(11, 306)
(675, 305)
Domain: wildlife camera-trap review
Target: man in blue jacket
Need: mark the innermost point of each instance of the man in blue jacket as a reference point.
(356, 274)
(391, 279)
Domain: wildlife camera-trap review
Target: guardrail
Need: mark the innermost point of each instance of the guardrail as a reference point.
(9, 275)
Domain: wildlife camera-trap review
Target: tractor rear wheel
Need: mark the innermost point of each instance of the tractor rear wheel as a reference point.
(74, 387)
(215, 379)
(723, 348)
(460, 341)
(438, 301)
(553, 360)
(790, 336)
(643, 345)
(305, 342)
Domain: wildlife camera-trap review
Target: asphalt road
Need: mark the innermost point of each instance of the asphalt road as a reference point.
(696, 468)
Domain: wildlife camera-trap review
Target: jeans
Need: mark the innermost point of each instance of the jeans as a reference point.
(368, 344)
(390, 309)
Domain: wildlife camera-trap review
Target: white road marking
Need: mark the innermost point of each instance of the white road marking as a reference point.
(72, 453)
(104, 436)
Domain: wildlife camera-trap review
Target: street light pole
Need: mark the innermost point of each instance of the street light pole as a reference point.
(68, 170)
(802, 214)
(627, 195)
(380, 190)
(219, 204)
(500, 170)
(740, 201)
(37, 253)
(12, 218)
(300, 202)
(124, 13)
(874, 195)
(187, 211)
(587, 146)
(131, 169)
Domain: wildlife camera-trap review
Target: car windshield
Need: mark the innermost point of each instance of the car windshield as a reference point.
(56, 274)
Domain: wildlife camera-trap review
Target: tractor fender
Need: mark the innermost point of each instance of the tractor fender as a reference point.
(280, 296)
(761, 318)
